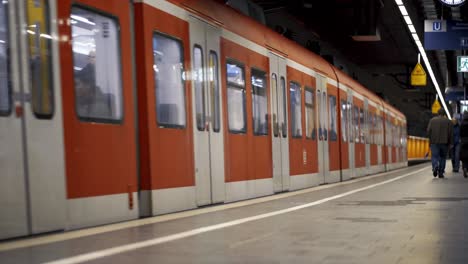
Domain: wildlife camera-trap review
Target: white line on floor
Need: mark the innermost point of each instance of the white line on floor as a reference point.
(52, 238)
(151, 242)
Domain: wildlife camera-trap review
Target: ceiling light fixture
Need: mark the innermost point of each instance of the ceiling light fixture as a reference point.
(418, 43)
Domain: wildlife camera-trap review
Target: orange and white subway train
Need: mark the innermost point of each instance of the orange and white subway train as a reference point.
(115, 110)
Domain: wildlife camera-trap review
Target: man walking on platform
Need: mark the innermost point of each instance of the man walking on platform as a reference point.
(440, 132)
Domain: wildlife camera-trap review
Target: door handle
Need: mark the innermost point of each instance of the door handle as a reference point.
(283, 129)
(275, 126)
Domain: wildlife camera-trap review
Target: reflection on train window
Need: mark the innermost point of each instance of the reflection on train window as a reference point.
(197, 77)
(236, 97)
(356, 124)
(344, 120)
(96, 63)
(5, 92)
(168, 71)
(332, 132)
(40, 58)
(214, 90)
(296, 115)
(284, 123)
(259, 102)
(310, 114)
(274, 93)
(362, 126)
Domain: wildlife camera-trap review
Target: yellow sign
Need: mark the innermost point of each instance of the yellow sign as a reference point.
(435, 106)
(418, 76)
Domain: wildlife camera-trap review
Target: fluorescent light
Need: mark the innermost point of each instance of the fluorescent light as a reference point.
(403, 10)
(408, 20)
(82, 19)
(45, 36)
(418, 43)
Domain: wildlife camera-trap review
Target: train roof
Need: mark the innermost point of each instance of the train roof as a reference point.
(238, 23)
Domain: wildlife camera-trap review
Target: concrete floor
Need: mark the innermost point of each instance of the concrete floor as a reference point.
(413, 219)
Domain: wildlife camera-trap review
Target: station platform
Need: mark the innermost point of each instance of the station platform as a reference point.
(403, 216)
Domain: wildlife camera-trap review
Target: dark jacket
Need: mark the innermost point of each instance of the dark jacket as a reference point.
(456, 134)
(440, 130)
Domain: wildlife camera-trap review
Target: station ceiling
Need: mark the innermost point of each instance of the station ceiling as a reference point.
(394, 54)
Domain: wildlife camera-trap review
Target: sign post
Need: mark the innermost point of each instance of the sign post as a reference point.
(436, 106)
(418, 75)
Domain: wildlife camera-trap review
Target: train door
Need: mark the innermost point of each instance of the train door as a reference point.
(279, 120)
(99, 111)
(352, 135)
(366, 128)
(33, 186)
(208, 134)
(13, 219)
(322, 146)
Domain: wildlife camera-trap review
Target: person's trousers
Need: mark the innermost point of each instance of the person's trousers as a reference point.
(439, 155)
(456, 157)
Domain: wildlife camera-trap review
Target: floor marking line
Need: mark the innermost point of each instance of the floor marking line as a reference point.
(152, 242)
(90, 231)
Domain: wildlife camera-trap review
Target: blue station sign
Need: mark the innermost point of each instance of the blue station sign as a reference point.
(445, 35)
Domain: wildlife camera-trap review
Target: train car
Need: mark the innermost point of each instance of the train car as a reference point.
(131, 109)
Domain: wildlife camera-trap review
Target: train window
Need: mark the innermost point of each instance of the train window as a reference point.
(356, 124)
(310, 114)
(376, 129)
(362, 126)
(344, 120)
(214, 90)
(332, 118)
(324, 118)
(40, 58)
(379, 133)
(296, 114)
(259, 102)
(373, 129)
(236, 97)
(366, 126)
(284, 124)
(389, 134)
(274, 93)
(5, 92)
(382, 130)
(168, 70)
(197, 77)
(351, 124)
(96, 63)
